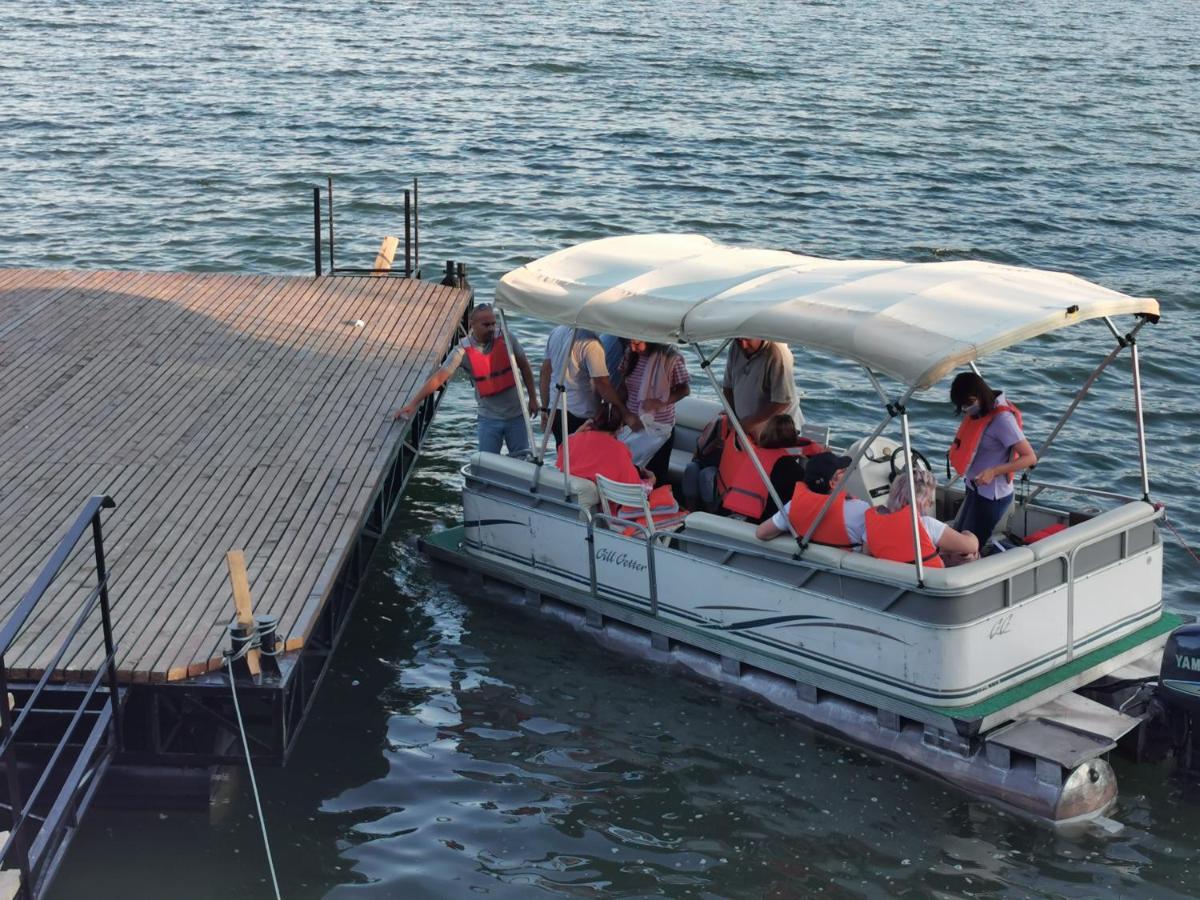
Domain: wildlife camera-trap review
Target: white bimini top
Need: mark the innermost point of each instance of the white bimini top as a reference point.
(915, 322)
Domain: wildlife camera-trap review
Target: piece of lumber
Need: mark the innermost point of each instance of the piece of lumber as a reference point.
(236, 560)
(387, 253)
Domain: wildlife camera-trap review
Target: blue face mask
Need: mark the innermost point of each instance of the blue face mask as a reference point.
(972, 410)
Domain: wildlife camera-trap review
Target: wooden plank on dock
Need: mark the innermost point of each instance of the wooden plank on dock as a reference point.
(220, 412)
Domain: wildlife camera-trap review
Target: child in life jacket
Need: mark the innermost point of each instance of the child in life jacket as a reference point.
(889, 530)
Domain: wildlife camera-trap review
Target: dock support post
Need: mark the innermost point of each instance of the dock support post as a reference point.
(332, 265)
(408, 270)
(416, 230)
(317, 232)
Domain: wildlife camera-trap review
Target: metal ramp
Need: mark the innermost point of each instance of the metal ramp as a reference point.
(56, 740)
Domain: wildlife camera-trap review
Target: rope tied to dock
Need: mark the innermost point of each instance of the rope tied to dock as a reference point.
(230, 658)
(1175, 531)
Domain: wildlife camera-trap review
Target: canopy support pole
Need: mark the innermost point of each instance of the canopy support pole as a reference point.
(1141, 425)
(892, 410)
(512, 362)
(912, 494)
(560, 393)
(706, 365)
(1123, 341)
(878, 387)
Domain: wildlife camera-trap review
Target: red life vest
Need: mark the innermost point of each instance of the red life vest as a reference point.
(803, 509)
(663, 510)
(732, 457)
(889, 536)
(747, 495)
(595, 453)
(600, 453)
(970, 433)
(492, 371)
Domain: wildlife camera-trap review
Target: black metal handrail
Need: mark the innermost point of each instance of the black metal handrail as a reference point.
(21, 808)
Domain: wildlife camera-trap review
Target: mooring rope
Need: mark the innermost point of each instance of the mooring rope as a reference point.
(262, 822)
(1178, 536)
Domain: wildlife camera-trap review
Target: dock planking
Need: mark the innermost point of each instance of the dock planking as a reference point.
(221, 412)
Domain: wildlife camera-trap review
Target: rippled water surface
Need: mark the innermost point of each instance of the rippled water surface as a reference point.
(456, 748)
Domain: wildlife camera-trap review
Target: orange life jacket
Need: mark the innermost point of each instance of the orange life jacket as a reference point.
(747, 495)
(492, 371)
(970, 433)
(599, 453)
(804, 507)
(889, 536)
(663, 510)
(732, 457)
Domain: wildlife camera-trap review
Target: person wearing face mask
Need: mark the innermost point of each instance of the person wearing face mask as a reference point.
(759, 383)
(987, 450)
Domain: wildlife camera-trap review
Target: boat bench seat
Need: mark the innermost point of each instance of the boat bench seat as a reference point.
(519, 473)
(736, 532)
(691, 415)
(1107, 523)
(958, 578)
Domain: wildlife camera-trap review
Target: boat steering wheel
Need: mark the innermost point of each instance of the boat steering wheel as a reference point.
(917, 455)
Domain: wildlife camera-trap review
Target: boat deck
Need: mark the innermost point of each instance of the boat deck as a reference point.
(220, 412)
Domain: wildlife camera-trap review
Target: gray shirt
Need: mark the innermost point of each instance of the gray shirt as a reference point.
(586, 361)
(504, 405)
(761, 378)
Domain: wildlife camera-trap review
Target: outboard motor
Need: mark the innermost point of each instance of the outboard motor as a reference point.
(1179, 693)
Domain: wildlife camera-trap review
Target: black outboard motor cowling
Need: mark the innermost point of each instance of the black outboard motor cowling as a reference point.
(1179, 692)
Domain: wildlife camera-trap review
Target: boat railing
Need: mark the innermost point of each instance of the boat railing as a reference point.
(35, 837)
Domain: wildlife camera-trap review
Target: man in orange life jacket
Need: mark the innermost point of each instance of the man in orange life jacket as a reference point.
(482, 354)
(844, 524)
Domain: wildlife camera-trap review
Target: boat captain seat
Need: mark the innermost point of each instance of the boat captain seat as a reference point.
(519, 473)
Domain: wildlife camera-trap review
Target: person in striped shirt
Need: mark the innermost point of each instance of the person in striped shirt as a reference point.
(655, 379)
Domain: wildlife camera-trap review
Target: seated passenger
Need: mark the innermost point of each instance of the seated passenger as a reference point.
(889, 530)
(595, 450)
(700, 476)
(844, 523)
(782, 452)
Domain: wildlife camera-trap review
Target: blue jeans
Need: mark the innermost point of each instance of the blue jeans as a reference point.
(700, 487)
(494, 432)
(980, 515)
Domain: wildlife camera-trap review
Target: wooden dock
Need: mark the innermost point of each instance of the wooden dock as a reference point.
(220, 412)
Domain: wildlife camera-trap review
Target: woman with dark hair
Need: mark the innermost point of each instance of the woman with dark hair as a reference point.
(987, 450)
(655, 378)
(782, 453)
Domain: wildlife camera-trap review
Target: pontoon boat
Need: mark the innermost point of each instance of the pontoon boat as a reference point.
(1013, 676)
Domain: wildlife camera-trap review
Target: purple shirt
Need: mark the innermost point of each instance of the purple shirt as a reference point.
(995, 449)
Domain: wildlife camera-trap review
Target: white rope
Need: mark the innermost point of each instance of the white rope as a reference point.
(262, 822)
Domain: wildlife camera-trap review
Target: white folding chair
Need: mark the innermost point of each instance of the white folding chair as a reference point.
(617, 494)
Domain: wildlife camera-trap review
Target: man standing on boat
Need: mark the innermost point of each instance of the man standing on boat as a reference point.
(483, 355)
(759, 383)
(585, 379)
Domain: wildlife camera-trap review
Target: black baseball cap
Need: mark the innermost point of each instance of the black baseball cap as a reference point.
(820, 469)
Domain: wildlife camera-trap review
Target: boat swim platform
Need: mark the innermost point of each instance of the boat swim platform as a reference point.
(219, 412)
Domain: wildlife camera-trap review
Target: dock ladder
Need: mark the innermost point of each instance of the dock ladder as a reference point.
(56, 739)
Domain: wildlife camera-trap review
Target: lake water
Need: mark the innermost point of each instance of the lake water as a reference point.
(457, 749)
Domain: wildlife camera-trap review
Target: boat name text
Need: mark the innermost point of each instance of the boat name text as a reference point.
(619, 559)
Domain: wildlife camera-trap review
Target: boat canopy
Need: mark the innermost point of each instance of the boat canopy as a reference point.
(914, 322)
